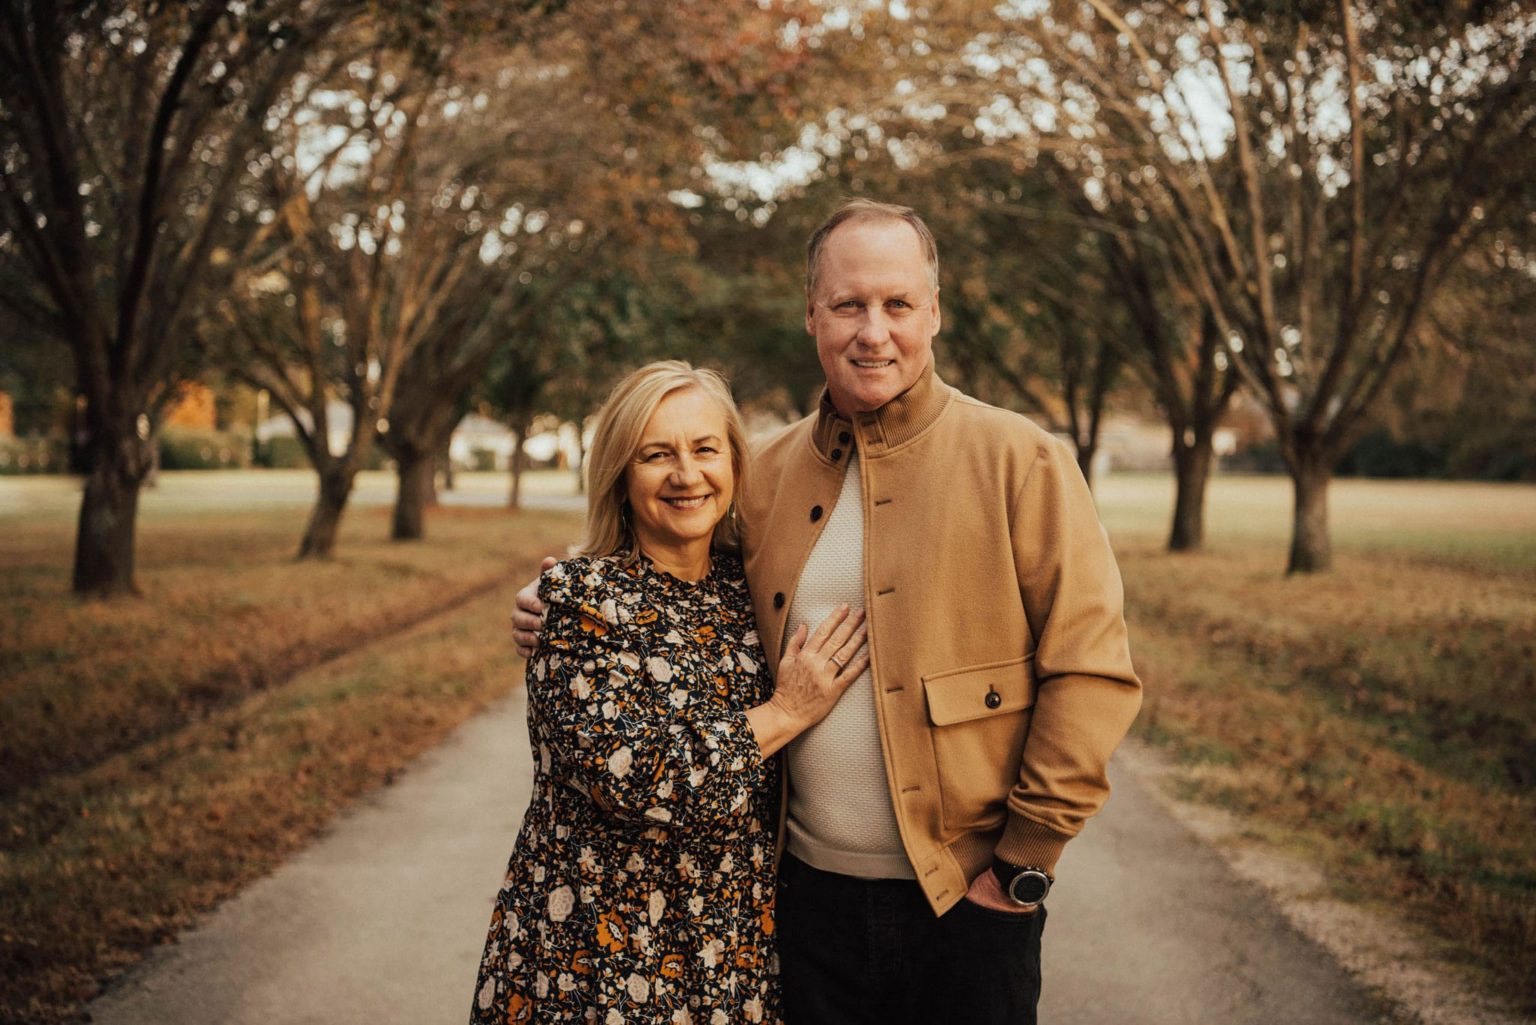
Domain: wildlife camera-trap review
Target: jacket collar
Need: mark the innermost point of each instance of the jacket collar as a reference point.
(900, 420)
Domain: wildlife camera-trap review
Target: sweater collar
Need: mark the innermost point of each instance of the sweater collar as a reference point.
(898, 421)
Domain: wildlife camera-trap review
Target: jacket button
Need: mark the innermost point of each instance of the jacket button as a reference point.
(837, 454)
(815, 513)
(845, 437)
(778, 600)
(993, 697)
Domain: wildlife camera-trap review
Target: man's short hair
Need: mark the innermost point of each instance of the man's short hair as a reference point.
(868, 210)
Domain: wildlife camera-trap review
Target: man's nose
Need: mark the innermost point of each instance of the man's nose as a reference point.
(876, 327)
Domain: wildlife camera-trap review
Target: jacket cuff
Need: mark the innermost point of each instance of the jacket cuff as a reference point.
(1027, 843)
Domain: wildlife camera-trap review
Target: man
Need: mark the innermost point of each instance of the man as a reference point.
(926, 813)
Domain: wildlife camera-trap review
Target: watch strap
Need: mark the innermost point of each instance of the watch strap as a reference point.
(1008, 875)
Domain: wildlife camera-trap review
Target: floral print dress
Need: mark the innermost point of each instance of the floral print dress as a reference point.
(641, 887)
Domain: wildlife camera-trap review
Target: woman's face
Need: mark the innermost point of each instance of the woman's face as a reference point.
(680, 481)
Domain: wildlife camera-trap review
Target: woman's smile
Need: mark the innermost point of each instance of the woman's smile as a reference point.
(680, 482)
(687, 501)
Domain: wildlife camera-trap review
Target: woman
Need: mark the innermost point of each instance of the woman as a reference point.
(641, 886)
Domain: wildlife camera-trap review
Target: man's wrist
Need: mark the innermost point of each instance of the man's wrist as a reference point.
(1024, 885)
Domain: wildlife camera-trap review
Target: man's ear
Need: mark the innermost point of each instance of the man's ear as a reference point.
(938, 314)
(810, 318)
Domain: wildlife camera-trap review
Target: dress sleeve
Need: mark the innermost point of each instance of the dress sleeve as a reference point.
(619, 726)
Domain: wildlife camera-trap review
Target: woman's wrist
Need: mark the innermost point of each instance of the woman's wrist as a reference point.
(772, 726)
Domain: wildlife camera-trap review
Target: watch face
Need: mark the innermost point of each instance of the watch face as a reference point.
(1029, 887)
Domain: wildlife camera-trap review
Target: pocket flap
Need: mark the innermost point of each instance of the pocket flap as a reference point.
(960, 695)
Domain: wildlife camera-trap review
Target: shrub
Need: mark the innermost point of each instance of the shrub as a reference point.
(1262, 457)
(286, 452)
(1379, 454)
(184, 448)
(33, 455)
(282, 453)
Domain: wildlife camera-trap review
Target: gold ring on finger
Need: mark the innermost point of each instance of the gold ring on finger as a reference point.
(840, 663)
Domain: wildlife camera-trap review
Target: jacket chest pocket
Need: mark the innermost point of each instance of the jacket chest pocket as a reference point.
(978, 719)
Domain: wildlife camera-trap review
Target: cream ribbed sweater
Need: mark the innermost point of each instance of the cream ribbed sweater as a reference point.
(840, 815)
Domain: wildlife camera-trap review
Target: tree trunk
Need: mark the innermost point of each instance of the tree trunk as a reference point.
(1192, 471)
(581, 467)
(517, 463)
(1086, 450)
(445, 462)
(415, 469)
(104, 543)
(1311, 549)
(152, 475)
(320, 536)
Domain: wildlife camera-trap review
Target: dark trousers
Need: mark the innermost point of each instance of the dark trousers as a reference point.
(871, 951)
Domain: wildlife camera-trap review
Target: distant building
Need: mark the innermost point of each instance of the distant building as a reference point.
(478, 442)
(195, 408)
(338, 418)
(1131, 443)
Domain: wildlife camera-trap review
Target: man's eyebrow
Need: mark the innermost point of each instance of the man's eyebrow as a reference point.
(901, 293)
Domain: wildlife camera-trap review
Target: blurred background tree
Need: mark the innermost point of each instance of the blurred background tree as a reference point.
(1315, 210)
(1314, 173)
(125, 131)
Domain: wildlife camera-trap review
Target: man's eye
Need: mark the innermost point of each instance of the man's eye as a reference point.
(847, 304)
(899, 304)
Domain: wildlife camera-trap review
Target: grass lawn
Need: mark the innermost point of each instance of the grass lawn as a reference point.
(1380, 717)
(157, 754)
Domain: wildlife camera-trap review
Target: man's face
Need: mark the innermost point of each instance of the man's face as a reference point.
(874, 312)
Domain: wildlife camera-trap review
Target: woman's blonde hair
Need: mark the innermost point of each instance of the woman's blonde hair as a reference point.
(620, 427)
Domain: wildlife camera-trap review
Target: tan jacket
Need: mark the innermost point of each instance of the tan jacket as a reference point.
(1000, 662)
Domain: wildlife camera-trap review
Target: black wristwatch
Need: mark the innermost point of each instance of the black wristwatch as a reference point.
(1025, 886)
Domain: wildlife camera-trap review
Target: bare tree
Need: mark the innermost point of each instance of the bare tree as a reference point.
(375, 238)
(455, 356)
(126, 129)
(575, 138)
(1310, 174)
(1031, 308)
(1181, 359)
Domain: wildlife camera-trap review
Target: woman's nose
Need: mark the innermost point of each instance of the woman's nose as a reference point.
(685, 469)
